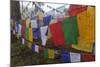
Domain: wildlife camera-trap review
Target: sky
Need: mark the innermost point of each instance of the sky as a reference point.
(44, 7)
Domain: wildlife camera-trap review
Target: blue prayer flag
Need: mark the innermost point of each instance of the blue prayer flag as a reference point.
(65, 57)
(47, 20)
(36, 33)
(33, 48)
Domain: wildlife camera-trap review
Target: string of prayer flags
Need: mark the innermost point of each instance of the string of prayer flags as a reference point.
(70, 30)
(57, 34)
(36, 33)
(76, 9)
(87, 57)
(43, 31)
(75, 32)
(27, 22)
(51, 53)
(47, 20)
(86, 25)
(65, 57)
(30, 35)
(75, 57)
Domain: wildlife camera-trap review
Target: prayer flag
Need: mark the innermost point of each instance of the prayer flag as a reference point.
(43, 36)
(57, 34)
(51, 53)
(75, 57)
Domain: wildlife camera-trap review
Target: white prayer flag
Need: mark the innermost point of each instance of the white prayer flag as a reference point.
(43, 34)
(37, 48)
(75, 57)
(19, 30)
(34, 23)
(23, 41)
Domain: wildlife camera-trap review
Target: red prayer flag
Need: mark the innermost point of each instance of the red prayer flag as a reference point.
(23, 30)
(87, 57)
(57, 34)
(76, 9)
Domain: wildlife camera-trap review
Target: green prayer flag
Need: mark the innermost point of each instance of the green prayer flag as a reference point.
(26, 34)
(70, 30)
(45, 53)
(75, 31)
(75, 25)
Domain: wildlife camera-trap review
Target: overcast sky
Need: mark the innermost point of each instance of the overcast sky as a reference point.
(45, 8)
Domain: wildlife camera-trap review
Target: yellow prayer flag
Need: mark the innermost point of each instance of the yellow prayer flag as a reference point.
(30, 35)
(40, 15)
(51, 54)
(87, 47)
(86, 25)
(27, 22)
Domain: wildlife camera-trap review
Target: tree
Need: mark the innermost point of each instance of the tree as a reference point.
(15, 10)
